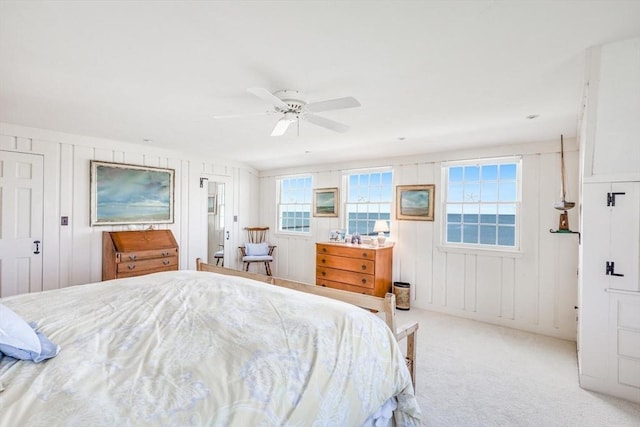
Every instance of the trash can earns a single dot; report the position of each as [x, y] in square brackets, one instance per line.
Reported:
[402, 291]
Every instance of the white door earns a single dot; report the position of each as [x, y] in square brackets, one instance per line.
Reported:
[21, 212]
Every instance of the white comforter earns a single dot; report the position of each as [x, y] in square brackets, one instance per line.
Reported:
[193, 348]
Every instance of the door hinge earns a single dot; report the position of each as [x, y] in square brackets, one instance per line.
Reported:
[202, 180]
[609, 270]
[611, 198]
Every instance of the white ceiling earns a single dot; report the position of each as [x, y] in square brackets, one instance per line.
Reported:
[440, 74]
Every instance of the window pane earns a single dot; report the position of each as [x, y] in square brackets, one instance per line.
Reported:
[455, 174]
[455, 193]
[487, 235]
[489, 172]
[506, 236]
[471, 173]
[454, 234]
[471, 192]
[508, 171]
[507, 191]
[489, 192]
[470, 233]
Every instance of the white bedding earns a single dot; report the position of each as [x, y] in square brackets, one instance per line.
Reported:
[194, 348]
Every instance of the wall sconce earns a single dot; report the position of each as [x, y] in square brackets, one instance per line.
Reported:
[381, 227]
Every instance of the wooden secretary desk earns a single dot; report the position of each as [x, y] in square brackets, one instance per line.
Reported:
[134, 253]
[357, 268]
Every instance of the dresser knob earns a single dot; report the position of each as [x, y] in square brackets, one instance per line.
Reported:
[166, 262]
[364, 266]
[364, 281]
[324, 273]
[323, 260]
[364, 254]
[133, 257]
[131, 266]
[324, 250]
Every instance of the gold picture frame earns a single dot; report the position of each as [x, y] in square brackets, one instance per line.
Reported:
[415, 202]
[130, 194]
[325, 202]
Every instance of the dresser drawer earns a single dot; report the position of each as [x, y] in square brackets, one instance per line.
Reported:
[346, 251]
[348, 277]
[345, 287]
[349, 264]
[145, 265]
[150, 254]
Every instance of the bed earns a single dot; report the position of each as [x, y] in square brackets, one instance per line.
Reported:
[186, 348]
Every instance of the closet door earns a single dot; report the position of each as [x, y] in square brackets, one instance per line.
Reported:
[21, 218]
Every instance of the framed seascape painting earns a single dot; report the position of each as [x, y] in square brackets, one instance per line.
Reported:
[130, 194]
[415, 202]
[325, 202]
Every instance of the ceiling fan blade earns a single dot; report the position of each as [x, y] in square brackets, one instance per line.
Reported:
[327, 123]
[267, 96]
[281, 127]
[332, 104]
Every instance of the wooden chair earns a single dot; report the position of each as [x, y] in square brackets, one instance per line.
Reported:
[257, 249]
[386, 305]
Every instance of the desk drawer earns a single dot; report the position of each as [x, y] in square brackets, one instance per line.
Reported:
[348, 277]
[170, 263]
[350, 264]
[150, 254]
[346, 251]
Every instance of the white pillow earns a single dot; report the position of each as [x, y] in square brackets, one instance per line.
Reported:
[17, 333]
[257, 249]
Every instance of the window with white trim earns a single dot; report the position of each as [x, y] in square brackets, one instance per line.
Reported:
[482, 203]
[369, 198]
[294, 204]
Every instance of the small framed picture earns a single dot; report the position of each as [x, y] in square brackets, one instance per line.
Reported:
[337, 235]
[415, 202]
[325, 202]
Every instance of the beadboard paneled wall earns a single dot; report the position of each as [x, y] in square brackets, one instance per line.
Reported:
[534, 289]
[73, 254]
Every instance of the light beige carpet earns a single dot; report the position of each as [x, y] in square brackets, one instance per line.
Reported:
[475, 374]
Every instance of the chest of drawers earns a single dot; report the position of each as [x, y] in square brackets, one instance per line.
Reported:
[355, 268]
[134, 253]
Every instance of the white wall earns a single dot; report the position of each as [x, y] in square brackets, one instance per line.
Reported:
[73, 254]
[533, 290]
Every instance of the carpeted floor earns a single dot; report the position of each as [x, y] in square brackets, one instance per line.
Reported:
[475, 374]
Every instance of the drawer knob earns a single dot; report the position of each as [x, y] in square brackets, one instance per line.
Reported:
[323, 285]
[324, 273]
[323, 260]
[364, 254]
[166, 262]
[364, 281]
[131, 266]
[364, 266]
[133, 257]
[324, 250]
[165, 253]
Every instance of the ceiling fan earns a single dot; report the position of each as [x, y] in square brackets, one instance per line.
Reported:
[292, 107]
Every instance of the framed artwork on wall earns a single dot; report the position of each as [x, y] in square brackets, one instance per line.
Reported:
[415, 202]
[130, 194]
[325, 202]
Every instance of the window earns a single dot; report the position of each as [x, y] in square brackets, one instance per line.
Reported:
[369, 196]
[482, 202]
[294, 204]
